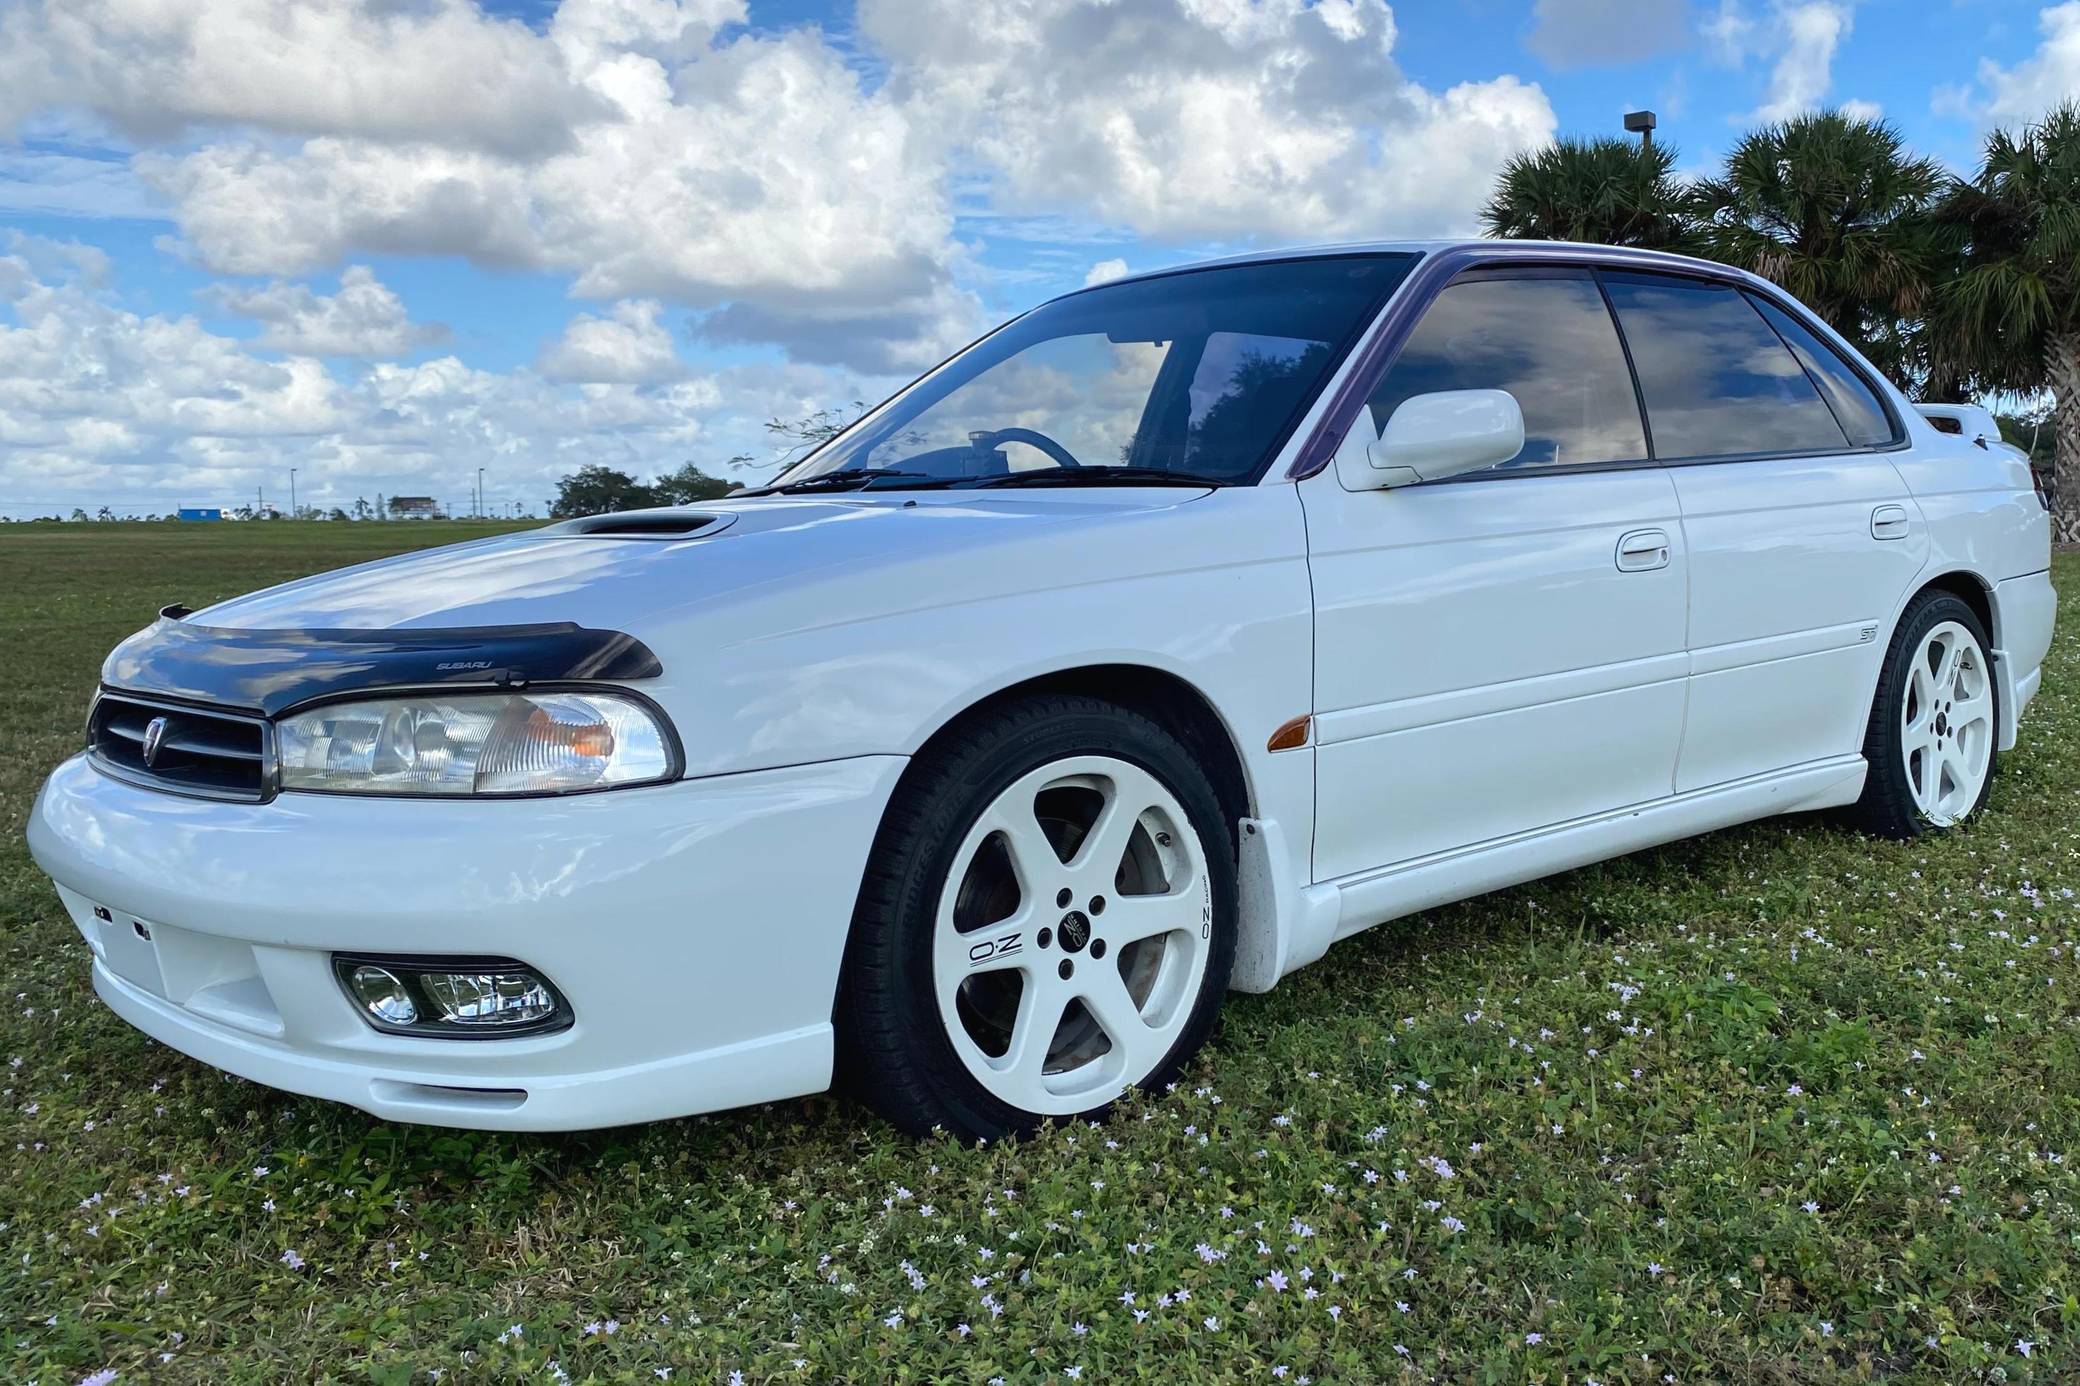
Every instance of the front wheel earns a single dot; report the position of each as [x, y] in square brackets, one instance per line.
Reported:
[1934, 722]
[1048, 921]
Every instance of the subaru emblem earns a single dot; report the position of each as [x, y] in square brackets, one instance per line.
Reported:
[154, 737]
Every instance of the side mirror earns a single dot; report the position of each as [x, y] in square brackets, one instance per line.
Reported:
[1446, 433]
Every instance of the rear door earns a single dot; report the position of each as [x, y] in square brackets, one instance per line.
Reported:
[1802, 537]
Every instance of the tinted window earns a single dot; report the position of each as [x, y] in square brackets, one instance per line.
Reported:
[1717, 380]
[1244, 386]
[1855, 404]
[1548, 341]
[1203, 372]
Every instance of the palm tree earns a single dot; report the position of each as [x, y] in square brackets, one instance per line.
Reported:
[2013, 315]
[1837, 211]
[1607, 191]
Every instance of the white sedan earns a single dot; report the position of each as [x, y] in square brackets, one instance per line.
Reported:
[1175, 631]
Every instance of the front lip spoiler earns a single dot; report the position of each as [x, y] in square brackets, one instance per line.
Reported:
[271, 671]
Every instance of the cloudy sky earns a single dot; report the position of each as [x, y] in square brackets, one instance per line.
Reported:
[388, 242]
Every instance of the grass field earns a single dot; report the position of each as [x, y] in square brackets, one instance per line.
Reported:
[1782, 1104]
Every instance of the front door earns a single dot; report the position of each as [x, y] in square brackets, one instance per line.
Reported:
[1502, 652]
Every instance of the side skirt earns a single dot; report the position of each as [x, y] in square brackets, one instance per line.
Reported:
[1360, 901]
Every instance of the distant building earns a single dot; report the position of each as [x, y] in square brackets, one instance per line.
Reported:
[202, 512]
[414, 508]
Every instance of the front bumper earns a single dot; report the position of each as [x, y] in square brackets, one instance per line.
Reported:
[695, 928]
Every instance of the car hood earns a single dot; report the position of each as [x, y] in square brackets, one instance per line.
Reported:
[632, 571]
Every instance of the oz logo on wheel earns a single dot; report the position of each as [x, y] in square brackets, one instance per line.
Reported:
[993, 948]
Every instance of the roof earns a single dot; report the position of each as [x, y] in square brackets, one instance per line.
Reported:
[1484, 246]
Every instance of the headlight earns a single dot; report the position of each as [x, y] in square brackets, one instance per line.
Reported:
[475, 743]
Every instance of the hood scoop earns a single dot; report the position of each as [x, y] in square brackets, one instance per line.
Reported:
[643, 524]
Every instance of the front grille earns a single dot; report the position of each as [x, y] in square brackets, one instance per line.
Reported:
[220, 755]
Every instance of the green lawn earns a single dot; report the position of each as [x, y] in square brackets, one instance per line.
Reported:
[1781, 1104]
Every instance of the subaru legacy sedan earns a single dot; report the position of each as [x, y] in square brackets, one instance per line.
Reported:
[1171, 633]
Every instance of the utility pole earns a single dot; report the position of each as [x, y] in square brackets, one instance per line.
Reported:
[292, 493]
[1641, 123]
[480, 493]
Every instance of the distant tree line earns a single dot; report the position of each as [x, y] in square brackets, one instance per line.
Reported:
[1957, 288]
[599, 490]
[394, 508]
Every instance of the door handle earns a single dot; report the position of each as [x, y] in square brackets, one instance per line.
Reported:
[1889, 522]
[1642, 550]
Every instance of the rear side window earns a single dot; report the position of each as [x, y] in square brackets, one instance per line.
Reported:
[1855, 404]
[1716, 378]
[1549, 341]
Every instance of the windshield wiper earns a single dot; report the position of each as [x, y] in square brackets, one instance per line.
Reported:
[856, 478]
[1099, 476]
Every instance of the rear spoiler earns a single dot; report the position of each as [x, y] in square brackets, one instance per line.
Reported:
[1964, 420]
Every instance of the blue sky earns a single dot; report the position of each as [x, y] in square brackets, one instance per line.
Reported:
[386, 244]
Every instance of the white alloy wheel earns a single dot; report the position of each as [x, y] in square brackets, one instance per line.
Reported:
[1072, 934]
[1946, 724]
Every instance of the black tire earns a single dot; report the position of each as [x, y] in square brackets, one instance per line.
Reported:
[1887, 808]
[892, 1048]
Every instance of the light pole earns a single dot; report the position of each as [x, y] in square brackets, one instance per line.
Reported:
[480, 493]
[1641, 123]
[292, 493]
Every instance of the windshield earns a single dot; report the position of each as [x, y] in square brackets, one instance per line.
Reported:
[1197, 375]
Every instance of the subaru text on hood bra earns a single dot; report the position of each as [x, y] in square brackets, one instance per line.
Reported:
[1169, 634]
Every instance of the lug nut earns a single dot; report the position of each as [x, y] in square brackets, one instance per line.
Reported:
[1046, 937]
[1097, 904]
[1062, 898]
[1066, 969]
[1097, 947]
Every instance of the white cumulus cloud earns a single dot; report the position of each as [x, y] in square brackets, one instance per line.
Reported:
[1197, 118]
[2050, 75]
[1810, 34]
[644, 148]
[100, 402]
[627, 347]
[443, 70]
[365, 318]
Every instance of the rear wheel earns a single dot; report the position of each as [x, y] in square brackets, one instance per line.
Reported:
[1048, 921]
[1934, 722]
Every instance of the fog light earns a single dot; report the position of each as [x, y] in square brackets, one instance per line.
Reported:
[383, 993]
[452, 997]
[489, 999]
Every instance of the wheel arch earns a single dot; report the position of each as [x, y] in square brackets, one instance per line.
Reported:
[1978, 594]
[1171, 701]
[1168, 699]
[1968, 587]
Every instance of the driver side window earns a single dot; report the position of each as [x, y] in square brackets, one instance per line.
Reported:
[1546, 338]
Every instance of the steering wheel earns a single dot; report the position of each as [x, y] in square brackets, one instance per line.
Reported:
[1031, 437]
